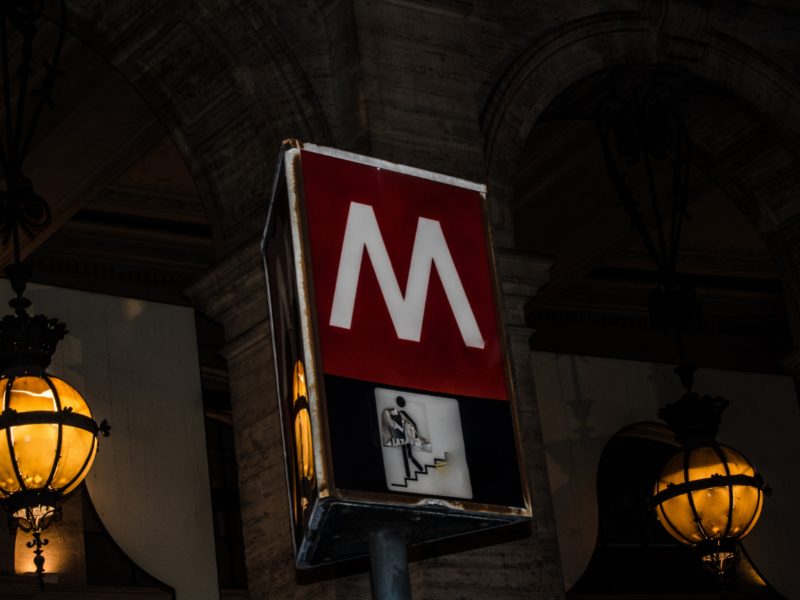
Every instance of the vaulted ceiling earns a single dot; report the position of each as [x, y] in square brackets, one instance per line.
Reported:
[126, 217]
[128, 220]
[596, 301]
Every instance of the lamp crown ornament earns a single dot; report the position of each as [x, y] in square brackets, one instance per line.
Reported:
[694, 418]
[29, 341]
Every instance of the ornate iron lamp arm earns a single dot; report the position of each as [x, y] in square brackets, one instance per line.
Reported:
[627, 200]
[665, 265]
[639, 133]
[45, 92]
[20, 207]
[705, 484]
[4, 155]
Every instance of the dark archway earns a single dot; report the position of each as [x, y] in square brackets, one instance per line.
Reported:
[579, 49]
[566, 206]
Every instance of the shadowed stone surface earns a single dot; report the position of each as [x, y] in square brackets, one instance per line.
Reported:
[454, 86]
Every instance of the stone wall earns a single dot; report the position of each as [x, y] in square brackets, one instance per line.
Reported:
[453, 86]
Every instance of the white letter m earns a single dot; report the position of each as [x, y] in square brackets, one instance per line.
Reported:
[406, 310]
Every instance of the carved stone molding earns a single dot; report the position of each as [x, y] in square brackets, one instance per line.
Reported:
[521, 276]
[234, 291]
[680, 27]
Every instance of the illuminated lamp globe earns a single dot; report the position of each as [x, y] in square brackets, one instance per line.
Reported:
[48, 437]
[708, 496]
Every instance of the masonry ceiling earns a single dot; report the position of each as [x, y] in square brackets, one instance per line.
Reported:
[146, 234]
[127, 217]
[129, 220]
[597, 297]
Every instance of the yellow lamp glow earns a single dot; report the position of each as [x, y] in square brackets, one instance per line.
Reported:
[303, 442]
[48, 438]
[709, 497]
[304, 447]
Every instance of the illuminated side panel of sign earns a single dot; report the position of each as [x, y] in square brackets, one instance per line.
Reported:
[402, 280]
[285, 312]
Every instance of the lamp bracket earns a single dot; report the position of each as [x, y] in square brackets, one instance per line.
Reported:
[647, 153]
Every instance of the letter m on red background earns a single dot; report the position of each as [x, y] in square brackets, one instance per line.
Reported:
[402, 280]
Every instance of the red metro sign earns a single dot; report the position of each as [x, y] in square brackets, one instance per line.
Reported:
[389, 353]
[402, 279]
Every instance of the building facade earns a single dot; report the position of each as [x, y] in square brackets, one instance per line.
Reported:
[160, 154]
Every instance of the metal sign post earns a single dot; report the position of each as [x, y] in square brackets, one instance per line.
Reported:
[395, 399]
[387, 557]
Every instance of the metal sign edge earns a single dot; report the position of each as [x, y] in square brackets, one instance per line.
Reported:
[398, 168]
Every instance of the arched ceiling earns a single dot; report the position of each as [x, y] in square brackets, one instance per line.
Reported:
[129, 219]
[596, 301]
[146, 234]
[126, 215]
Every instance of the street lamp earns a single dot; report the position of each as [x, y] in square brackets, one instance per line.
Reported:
[48, 437]
[708, 495]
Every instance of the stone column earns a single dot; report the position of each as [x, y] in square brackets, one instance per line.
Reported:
[234, 294]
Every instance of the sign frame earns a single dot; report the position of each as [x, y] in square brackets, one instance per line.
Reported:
[351, 502]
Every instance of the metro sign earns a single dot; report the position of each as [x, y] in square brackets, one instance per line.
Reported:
[382, 295]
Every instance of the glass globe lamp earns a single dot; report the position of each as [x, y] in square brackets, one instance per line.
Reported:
[708, 496]
[48, 436]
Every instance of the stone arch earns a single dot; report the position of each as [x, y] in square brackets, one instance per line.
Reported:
[580, 48]
[221, 78]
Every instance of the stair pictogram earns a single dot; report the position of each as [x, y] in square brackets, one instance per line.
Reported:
[437, 463]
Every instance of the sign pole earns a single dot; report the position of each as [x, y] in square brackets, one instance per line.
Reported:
[387, 556]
